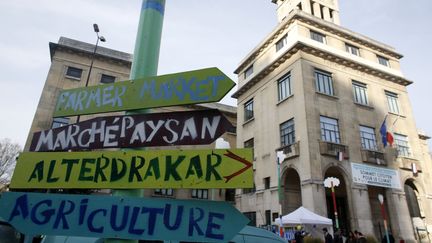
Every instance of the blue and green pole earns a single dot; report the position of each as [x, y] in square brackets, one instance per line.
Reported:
[144, 64]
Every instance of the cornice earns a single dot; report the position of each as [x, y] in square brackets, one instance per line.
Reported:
[329, 56]
[320, 24]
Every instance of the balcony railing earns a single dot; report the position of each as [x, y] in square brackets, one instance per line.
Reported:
[374, 157]
[333, 149]
[407, 163]
[291, 150]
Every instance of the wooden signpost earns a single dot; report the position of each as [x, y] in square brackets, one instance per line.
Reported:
[199, 86]
[121, 217]
[146, 130]
[132, 217]
[204, 168]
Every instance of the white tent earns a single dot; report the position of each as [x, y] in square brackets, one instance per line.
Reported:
[303, 216]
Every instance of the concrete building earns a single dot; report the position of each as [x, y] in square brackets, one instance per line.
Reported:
[70, 63]
[320, 93]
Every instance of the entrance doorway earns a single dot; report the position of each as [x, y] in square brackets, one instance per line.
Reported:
[292, 191]
[377, 218]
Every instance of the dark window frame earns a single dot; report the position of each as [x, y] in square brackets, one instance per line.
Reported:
[284, 87]
[329, 131]
[287, 132]
[73, 73]
[324, 82]
[249, 110]
[107, 79]
[317, 36]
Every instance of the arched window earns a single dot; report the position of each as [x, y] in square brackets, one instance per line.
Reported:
[411, 197]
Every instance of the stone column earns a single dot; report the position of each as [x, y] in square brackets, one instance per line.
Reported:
[313, 196]
[336, 18]
[326, 13]
[317, 10]
[362, 210]
[400, 218]
[306, 7]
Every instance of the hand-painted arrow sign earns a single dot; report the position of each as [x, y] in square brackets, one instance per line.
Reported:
[155, 129]
[217, 168]
[199, 86]
[121, 217]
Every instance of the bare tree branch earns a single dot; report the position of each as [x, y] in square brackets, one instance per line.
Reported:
[8, 154]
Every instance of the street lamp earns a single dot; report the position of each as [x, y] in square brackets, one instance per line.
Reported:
[280, 157]
[332, 182]
[381, 200]
[99, 38]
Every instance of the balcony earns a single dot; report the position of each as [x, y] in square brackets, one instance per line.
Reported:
[407, 163]
[291, 150]
[374, 157]
[332, 149]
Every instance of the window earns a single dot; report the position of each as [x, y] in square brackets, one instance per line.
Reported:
[401, 142]
[324, 82]
[411, 197]
[163, 192]
[284, 87]
[200, 193]
[59, 122]
[281, 43]
[360, 93]
[287, 132]
[266, 183]
[352, 49]
[268, 217]
[367, 137]
[107, 79]
[252, 217]
[248, 110]
[329, 129]
[74, 73]
[248, 72]
[249, 144]
[383, 61]
[250, 190]
[392, 101]
[317, 36]
[275, 216]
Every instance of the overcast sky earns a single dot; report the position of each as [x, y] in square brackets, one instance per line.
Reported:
[196, 34]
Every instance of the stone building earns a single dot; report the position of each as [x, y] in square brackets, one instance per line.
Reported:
[70, 63]
[320, 93]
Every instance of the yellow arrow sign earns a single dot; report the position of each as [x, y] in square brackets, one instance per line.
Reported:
[218, 168]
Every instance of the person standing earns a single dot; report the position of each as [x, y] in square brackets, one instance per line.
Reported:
[299, 234]
[328, 238]
[338, 237]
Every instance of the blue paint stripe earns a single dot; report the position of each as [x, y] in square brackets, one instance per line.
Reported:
[155, 5]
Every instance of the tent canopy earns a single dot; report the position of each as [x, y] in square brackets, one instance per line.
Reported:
[303, 216]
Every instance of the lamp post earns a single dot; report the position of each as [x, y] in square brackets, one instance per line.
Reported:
[280, 157]
[332, 182]
[381, 200]
[99, 38]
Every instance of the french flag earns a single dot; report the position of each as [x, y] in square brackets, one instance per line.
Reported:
[387, 137]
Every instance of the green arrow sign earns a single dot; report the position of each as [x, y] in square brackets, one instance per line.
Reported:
[121, 217]
[199, 86]
[204, 168]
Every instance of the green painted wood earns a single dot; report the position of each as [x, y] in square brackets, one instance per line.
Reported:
[204, 168]
[198, 86]
[121, 217]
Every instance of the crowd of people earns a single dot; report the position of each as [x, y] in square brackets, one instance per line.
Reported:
[339, 236]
